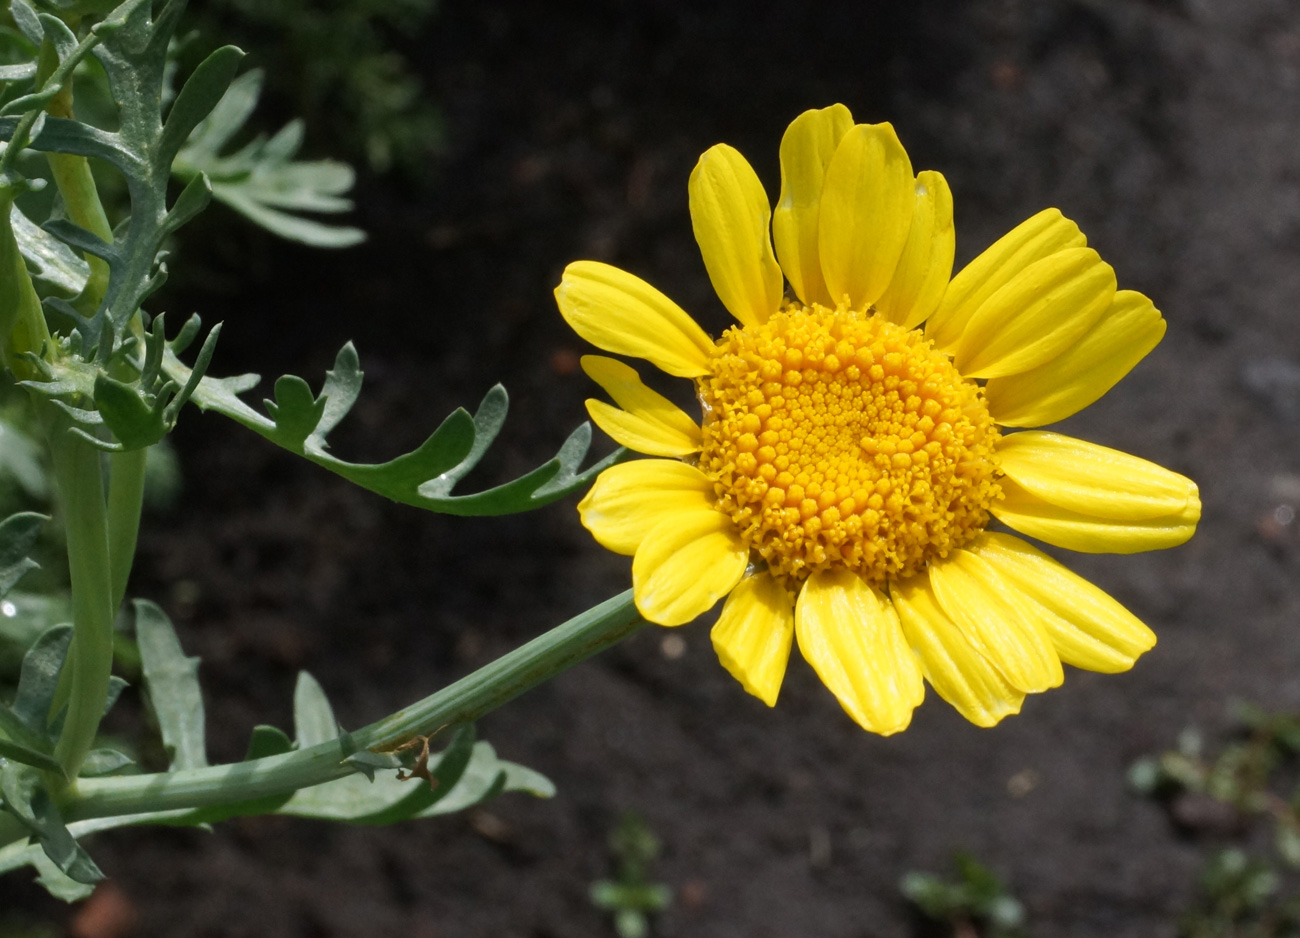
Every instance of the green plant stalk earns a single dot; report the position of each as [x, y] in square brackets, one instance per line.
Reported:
[81, 201]
[464, 701]
[81, 491]
[125, 502]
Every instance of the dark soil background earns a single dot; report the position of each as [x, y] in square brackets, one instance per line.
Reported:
[1167, 128]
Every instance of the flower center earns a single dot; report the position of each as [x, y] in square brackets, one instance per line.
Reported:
[836, 439]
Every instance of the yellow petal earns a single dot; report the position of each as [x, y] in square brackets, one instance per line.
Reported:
[1088, 627]
[958, 673]
[1089, 534]
[851, 636]
[620, 313]
[1037, 315]
[685, 564]
[1092, 480]
[628, 500]
[866, 213]
[754, 633]
[730, 215]
[1085, 371]
[1000, 628]
[806, 151]
[926, 265]
[1033, 239]
[649, 422]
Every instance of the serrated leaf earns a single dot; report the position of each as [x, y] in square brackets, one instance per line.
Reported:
[425, 477]
[172, 681]
[18, 534]
[313, 717]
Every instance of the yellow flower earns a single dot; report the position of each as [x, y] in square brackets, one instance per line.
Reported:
[850, 455]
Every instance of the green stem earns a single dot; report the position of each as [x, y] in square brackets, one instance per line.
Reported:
[462, 702]
[125, 500]
[81, 490]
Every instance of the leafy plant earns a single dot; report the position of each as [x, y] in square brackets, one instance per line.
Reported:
[973, 905]
[105, 383]
[1224, 797]
[632, 896]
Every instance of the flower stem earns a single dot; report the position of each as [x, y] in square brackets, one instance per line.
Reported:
[464, 701]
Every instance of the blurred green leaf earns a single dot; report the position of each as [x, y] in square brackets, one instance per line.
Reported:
[18, 534]
[261, 180]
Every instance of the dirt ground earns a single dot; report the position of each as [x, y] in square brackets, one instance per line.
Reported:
[1167, 128]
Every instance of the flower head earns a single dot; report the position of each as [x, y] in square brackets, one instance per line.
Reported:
[853, 451]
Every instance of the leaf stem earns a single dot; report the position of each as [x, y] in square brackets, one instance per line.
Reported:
[125, 501]
[81, 490]
[466, 700]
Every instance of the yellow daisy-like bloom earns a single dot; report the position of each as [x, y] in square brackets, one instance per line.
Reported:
[851, 451]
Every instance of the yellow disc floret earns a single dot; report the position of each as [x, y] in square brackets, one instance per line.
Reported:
[836, 439]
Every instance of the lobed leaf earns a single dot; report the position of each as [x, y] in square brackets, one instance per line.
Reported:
[424, 478]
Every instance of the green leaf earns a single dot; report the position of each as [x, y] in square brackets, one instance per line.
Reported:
[134, 421]
[18, 534]
[38, 683]
[295, 410]
[340, 392]
[267, 741]
[49, 261]
[56, 882]
[356, 800]
[23, 617]
[26, 799]
[424, 478]
[313, 717]
[261, 181]
[197, 98]
[101, 762]
[28, 756]
[172, 682]
[132, 48]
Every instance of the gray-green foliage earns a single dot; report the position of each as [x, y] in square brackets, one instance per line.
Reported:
[111, 375]
[261, 180]
[123, 413]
